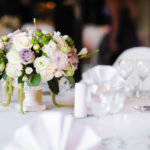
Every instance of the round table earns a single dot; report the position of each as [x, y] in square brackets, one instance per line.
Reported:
[128, 124]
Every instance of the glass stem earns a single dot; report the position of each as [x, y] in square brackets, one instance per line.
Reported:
[139, 91]
[56, 104]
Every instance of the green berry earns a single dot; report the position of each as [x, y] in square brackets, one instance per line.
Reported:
[69, 72]
[4, 38]
[36, 47]
[65, 49]
[2, 66]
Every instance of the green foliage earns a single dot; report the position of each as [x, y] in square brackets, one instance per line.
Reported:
[34, 80]
[45, 40]
[49, 37]
[89, 54]
[39, 34]
[44, 54]
[20, 79]
[4, 76]
[70, 42]
[35, 41]
[1, 51]
[53, 85]
[70, 79]
[2, 66]
[53, 40]
[34, 20]
[69, 72]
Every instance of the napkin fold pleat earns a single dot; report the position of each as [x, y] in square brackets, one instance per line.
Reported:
[54, 131]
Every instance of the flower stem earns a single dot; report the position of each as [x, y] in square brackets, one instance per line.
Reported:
[9, 90]
[21, 98]
[6, 87]
[58, 105]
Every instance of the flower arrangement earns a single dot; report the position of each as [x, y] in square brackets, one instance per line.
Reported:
[32, 57]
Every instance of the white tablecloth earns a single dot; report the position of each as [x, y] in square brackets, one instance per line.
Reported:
[129, 123]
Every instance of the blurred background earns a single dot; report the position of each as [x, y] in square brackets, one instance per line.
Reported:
[109, 25]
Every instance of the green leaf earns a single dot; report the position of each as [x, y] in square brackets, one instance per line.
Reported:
[54, 41]
[44, 54]
[70, 42]
[70, 79]
[0, 77]
[34, 80]
[49, 37]
[20, 79]
[4, 76]
[89, 54]
[53, 85]
[1, 51]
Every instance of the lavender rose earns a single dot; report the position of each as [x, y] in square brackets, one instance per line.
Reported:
[74, 60]
[27, 56]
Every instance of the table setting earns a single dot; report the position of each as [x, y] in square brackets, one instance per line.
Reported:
[43, 108]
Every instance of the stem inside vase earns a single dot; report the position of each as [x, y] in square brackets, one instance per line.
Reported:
[56, 104]
[8, 91]
[21, 98]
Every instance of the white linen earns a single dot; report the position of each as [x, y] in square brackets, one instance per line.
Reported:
[129, 123]
[54, 131]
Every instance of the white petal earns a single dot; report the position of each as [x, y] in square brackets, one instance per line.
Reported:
[83, 51]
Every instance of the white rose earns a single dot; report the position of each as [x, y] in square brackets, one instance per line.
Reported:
[25, 78]
[58, 74]
[60, 40]
[65, 37]
[46, 75]
[13, 56]
[83, 51]
[30, 31]
[52, 67]
[41, 63]
[61, 60]
[2, 45]
[50, 48]
[29, 70]
[13, 70]
[22, 40]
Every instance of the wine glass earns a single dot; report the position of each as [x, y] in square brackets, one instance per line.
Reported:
[107, 98]
[125, 67]
[143, 70]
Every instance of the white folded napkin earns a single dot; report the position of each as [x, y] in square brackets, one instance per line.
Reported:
[100, 74]
[54, 131]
